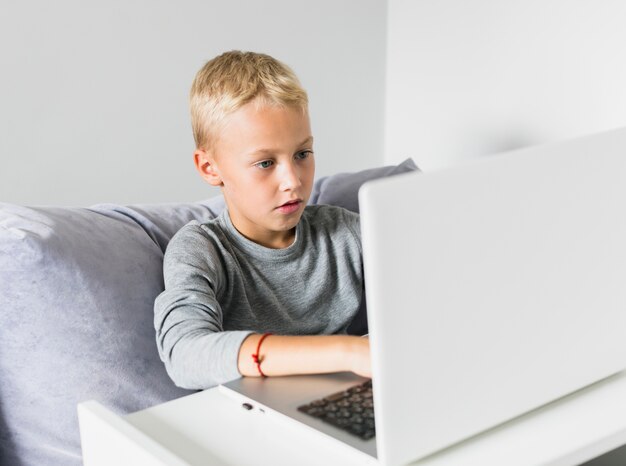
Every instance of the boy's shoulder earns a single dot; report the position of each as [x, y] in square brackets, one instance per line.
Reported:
[332, 219]
[197, 234]
[195, 227]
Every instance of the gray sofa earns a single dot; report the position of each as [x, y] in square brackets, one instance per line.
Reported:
[77, 286]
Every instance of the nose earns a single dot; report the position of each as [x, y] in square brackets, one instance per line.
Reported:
[289, 177]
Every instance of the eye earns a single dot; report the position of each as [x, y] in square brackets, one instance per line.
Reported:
[303, 154]
[264, 164]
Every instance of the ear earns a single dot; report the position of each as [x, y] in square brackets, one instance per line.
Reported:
[206, 166]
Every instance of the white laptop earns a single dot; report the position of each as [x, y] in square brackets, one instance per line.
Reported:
[492, 288]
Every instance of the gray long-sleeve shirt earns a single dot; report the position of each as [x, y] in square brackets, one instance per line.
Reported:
[220, 287]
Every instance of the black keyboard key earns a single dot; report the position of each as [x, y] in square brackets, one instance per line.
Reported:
[351, 410]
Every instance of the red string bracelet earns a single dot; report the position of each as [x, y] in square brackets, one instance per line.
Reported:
[255, 356]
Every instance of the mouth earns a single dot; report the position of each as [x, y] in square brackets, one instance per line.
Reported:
[290, 206]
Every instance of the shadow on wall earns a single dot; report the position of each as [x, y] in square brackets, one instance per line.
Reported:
[505, 141]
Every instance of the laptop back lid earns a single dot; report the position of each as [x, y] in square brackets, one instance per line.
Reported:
[493, 288]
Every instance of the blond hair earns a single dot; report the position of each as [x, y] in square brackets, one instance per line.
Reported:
[233, 79]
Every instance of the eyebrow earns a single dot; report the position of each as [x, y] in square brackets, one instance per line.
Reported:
[257, 152]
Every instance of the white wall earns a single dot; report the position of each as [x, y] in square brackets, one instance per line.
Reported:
[469, 78]
[93, 95]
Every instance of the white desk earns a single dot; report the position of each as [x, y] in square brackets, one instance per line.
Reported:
[210, 428]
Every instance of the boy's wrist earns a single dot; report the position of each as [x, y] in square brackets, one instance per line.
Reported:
[351, 352]
[359, 356]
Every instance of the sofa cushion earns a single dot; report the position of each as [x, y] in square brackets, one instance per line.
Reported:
[342, 189]
[77, 287]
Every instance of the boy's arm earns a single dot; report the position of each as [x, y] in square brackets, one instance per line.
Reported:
[316, 354]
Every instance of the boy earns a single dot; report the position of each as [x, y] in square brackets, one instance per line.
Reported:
[270, 286]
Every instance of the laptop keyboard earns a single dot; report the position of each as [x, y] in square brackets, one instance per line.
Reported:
[351, 410]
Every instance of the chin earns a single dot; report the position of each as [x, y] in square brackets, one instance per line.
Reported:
[289, 224]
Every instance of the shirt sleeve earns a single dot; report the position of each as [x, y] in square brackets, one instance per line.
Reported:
[188, 319]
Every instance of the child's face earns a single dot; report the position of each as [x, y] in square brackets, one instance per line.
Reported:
[263, 160]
